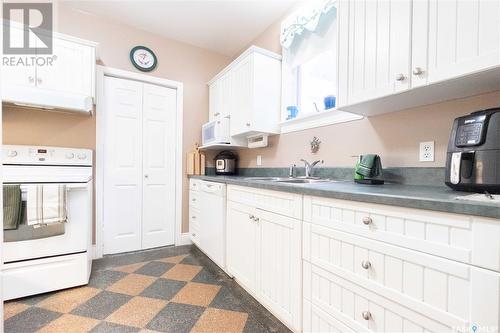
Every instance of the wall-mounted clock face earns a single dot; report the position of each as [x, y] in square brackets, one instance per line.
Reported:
[143, 58]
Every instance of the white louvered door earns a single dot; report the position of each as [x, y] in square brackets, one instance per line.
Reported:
[139, 165]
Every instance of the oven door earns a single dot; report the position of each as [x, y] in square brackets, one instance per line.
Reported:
[27, 242]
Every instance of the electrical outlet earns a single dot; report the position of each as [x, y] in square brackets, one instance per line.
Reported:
[427, 151]
[259, 160]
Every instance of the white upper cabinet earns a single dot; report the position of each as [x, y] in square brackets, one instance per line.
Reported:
[464, 37]
[64, 79]
[379, 48]
[248, 91]
[72, 71]
[405, 53]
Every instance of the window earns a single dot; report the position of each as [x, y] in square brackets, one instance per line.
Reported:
[310, 80]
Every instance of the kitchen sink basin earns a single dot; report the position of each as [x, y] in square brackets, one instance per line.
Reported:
[299, 180]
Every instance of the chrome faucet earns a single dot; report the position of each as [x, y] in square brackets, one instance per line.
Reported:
[291, 171]
[309, 166]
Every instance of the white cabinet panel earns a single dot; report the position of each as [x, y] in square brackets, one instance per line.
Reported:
[434, 287]
[279, 266]
[242, 244]
[464, 37]
[379, 48]
[72, 70]
[453, 236]
[241, 118]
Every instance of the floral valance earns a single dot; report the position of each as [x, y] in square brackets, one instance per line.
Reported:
[306, 18]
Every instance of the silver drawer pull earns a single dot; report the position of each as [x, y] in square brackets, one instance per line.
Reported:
[366, 315]
[400, 77]
[194, 199]
[251, 217]
[256, 219]
[194, 235]
[193, 217]
[367, 220]
[366, 264]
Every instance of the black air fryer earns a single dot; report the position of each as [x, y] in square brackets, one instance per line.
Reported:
[473, 157]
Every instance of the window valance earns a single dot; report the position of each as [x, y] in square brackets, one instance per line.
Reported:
[306, 18]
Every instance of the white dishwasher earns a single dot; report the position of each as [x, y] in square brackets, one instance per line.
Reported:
[212, 222]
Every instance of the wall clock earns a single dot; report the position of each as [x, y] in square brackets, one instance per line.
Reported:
[143, 58]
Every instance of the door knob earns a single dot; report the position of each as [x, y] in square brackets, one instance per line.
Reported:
[418, 71]
[400, 77]
[366, 264]
[367, 220]
[366, 315]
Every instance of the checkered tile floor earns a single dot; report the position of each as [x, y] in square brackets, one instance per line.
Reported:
[171, 293]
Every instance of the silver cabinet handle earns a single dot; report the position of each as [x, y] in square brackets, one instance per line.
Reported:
[366, 264]
[248, 124]
[193, 200]
[366, 315]
[38, 80]
[146, 176]
[216, 114]
[367, 220]
[418, 71]
[256, 219]
[400, 77]
[193, 217]
[31, 79]
[194, 235]
[251, 217]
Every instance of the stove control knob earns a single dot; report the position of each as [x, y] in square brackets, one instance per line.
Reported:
[70, 156]
[82, 156]
[12, 153]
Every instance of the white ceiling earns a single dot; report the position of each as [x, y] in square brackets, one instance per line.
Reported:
[221, 26]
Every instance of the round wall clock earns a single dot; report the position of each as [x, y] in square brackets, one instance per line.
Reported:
[143, 58]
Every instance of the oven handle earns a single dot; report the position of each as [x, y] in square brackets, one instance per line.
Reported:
[72, 186]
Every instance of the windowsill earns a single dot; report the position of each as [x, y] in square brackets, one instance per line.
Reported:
[319, 119]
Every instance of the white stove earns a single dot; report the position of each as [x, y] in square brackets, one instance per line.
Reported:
[51, 257]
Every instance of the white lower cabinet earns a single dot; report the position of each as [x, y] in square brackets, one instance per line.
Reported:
[264, 256]
[347, 266]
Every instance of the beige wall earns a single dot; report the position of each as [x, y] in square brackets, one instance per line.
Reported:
[176, 61]
[394, 136]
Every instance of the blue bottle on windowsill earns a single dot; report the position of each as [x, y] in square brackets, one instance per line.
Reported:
[330, 102]
[291, 112]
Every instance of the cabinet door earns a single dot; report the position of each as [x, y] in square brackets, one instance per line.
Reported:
[464, 37]
[279, 266]
[72, 70]
[379, 48]
[214, 100]
[158, 166]
[242, 87]
[242, 242]
[226, 96]
[17, 72]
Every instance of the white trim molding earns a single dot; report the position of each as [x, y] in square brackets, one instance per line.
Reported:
[320, 119]
[103, 71]
[185, 239]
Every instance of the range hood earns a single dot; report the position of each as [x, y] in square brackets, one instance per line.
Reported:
[47, 99]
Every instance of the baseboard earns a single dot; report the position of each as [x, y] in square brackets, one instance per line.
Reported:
[184, 239]
[95, 255]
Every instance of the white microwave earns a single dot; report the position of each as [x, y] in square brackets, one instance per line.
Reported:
[216, 132]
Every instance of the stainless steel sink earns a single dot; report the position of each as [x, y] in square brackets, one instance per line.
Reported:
[290, 180]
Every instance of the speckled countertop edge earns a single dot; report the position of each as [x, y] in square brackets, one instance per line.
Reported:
[436, 198]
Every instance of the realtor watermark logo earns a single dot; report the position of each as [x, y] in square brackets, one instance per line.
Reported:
[34, 35]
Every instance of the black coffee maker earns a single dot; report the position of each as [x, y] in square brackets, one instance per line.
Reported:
[473, 157]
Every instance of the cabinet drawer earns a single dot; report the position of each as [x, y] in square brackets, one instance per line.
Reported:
[194, 184]
[435, 287]
[288, 204]
[364, 310]
[194, 199]
[467, 239]
[317, 320]
[194, 225]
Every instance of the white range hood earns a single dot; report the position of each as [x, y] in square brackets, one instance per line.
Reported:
[47, 99]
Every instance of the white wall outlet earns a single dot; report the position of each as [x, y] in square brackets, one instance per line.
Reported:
[426, 151]
[259, 160]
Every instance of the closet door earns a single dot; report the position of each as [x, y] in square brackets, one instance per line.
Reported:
[122, 165]
[158, 211]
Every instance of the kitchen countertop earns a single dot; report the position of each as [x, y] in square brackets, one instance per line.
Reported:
[438, 198]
